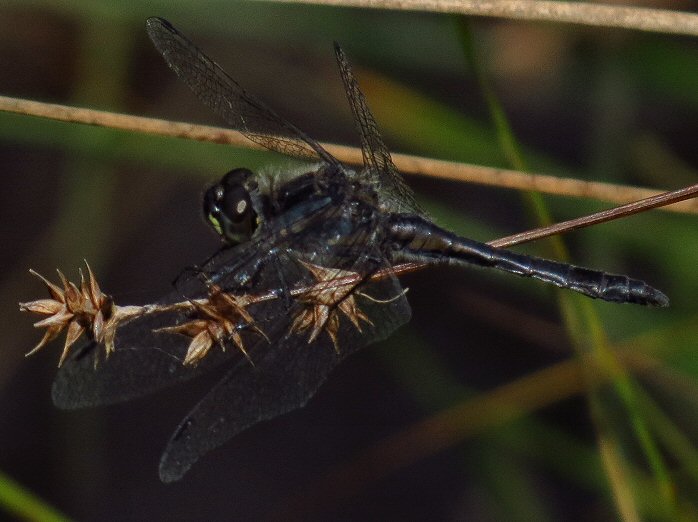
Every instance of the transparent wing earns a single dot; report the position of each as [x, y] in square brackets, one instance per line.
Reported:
[144, 360]
[285, 368]
[272, 270]
[227, 98]
[284, 378]
[378, 164]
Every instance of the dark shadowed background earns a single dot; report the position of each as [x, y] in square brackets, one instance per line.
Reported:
[596, 104]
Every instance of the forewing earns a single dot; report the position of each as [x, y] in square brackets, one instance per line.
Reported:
[379, 166]
[227, 98]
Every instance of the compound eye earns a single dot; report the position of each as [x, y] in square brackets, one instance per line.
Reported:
[236, 204]
[228, 207]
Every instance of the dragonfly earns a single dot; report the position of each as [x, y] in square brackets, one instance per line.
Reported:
[307, 275]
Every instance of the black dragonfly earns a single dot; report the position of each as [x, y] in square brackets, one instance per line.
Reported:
[305, 279]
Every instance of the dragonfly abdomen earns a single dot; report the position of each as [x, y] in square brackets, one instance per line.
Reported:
[417, 240]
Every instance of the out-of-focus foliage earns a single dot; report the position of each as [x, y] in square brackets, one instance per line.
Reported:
[489, 352]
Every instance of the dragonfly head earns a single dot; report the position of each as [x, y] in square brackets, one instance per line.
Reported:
[228, 207]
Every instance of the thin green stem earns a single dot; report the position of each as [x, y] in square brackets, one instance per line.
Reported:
[22, 503]
[582, 320]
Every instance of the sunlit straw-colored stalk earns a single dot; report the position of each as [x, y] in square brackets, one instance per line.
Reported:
[582, 13]
[408, 164]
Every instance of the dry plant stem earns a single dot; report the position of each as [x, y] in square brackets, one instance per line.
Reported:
[546, 184]
[405, 163]
[666, 198]
[583, 13]
[126, 122]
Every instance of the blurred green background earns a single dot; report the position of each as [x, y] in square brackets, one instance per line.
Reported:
[596, 104]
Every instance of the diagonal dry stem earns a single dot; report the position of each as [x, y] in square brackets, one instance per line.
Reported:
[407, 164]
